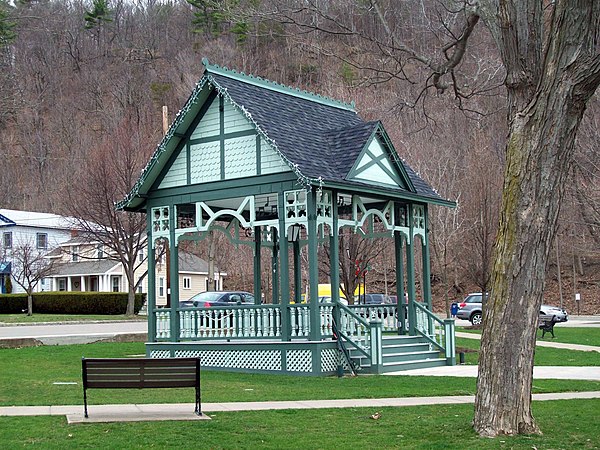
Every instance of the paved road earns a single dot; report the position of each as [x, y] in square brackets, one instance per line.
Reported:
[76, 333]
[71, 333]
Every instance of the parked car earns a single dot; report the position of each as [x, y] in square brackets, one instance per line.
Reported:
[375, 299]
[560, 314]
[470, 309]
[326, 299]
[218, 298]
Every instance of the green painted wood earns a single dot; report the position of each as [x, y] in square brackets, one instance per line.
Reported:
[151, 294]
[258, 155]
[275, 268]
[410, 279]
[173, 275]
[401, 312]
[297, 272]
[218, 190]
[334, 256]
[313, 265]
[383, 192]
[426, 266]
[257, 268]
[227, 135]
[284, 272]
[222, 134]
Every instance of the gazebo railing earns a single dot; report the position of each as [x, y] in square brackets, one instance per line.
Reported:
[439, 332]
[386, 313]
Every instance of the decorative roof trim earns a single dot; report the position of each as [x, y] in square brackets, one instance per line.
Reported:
[274, 86]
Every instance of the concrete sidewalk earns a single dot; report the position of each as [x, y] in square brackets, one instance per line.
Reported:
[184, 411]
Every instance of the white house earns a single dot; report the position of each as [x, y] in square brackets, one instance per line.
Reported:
[85, 265]
[41, 231]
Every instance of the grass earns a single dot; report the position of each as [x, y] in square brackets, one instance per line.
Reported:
[544, 356]
[35, 318]
[567, 335]
[28, 376]
[566, 424]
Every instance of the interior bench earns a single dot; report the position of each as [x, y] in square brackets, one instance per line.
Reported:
[140, 373]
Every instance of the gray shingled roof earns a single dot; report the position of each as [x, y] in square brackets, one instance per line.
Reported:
[323, 140]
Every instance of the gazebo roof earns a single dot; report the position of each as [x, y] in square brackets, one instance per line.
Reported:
[323, 141]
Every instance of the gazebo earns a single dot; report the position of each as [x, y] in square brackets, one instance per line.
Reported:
[278, 168]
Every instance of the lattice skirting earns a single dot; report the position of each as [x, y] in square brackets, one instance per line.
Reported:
[290, 358]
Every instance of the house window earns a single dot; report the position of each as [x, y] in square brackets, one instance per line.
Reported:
[7, 239]
[99, 251]
[161, 286]
[115, 284]
[187, 282]
[42, 240]
[62, 284]
[141, 256]
[75, 253]
[139, 289]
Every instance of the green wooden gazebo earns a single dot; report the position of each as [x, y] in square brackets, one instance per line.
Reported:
[263, 162]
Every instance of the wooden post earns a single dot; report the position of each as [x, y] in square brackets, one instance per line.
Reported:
[165, 119]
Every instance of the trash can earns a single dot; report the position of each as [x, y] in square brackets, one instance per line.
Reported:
[453, 309]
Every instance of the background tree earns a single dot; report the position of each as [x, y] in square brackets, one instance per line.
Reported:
[111, 173]
[29, 267]
[550, 56]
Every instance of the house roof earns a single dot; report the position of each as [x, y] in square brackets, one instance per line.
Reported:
[319, 138]
[11, 217]
[188, 263]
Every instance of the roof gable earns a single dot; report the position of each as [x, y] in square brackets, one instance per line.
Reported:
[378, 163]
[319, 139]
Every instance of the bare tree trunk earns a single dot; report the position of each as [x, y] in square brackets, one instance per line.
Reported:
[29, 303]
[211, 260]
[538, 159]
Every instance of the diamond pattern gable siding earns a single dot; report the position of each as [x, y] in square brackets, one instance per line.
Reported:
[177, 175]
[240, 157]
[205, 162]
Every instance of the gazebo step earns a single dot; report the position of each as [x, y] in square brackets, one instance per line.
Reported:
[416, 364]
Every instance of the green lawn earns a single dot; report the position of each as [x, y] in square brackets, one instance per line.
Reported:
[565, 424]
[25, 319]
[544, 356]
[567, 335]
[28, 377]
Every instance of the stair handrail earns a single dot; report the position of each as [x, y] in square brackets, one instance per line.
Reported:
[347, 328]
[442, 339]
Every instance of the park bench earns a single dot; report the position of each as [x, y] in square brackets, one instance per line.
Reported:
[140, 373]
[546, 324]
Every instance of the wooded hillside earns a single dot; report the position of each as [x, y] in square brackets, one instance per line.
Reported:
[79, 77]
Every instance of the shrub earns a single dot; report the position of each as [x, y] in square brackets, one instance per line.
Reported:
[101, 303]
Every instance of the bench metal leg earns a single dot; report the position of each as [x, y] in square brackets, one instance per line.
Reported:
[85, 411]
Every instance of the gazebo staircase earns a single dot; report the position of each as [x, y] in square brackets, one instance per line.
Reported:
[402, 353]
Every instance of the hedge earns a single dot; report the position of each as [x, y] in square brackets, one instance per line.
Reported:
[101, 303]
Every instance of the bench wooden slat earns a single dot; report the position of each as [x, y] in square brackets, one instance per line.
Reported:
[141, 373]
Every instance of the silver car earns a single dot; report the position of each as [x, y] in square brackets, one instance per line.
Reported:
[470, 309]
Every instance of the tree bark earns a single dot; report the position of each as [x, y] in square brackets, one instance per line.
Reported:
[539, 155]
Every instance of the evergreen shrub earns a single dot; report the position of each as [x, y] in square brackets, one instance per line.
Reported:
[99, 303]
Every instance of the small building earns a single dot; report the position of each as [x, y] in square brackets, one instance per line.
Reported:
[278, 168]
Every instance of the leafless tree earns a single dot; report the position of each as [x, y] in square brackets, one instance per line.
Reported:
[550, 57]
[29, 267]
[111, 172]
